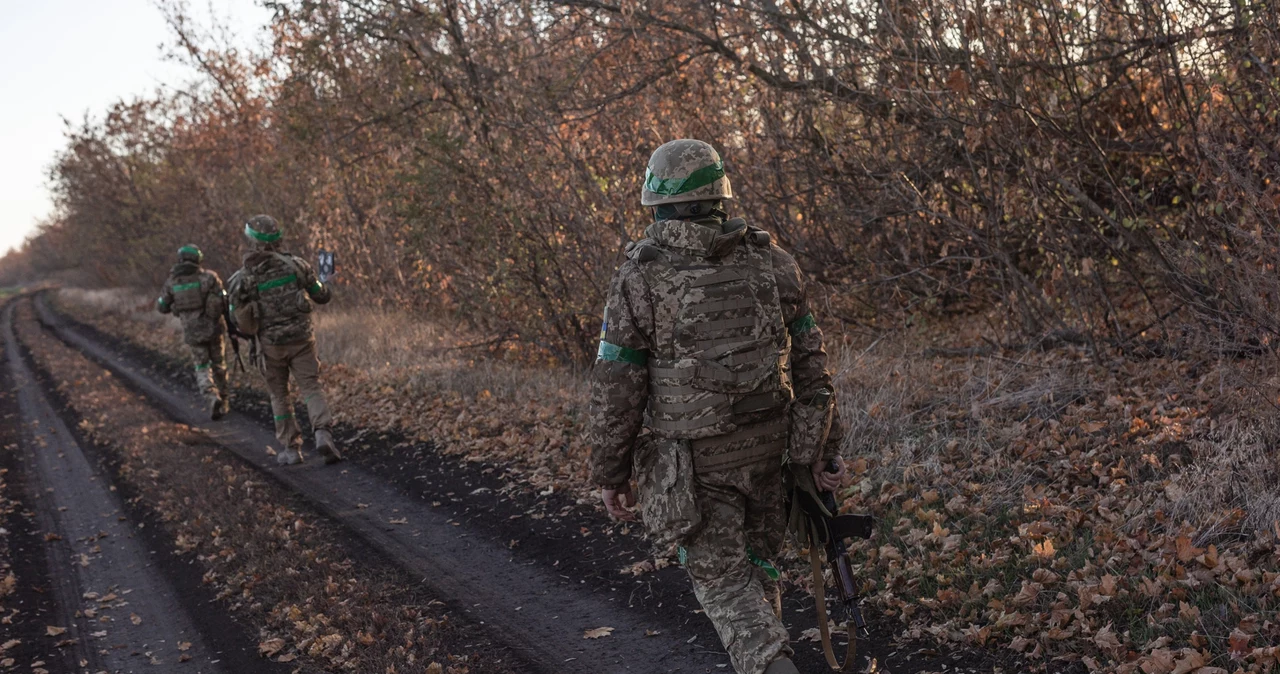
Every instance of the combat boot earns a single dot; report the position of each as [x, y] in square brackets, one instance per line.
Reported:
[782, 665]
[224, 406]
[216, 407]
[324, 443]
[216, 410]
[289, 456]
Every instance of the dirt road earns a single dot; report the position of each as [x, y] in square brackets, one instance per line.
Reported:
[117, 609]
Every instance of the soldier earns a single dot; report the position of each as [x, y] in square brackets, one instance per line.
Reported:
[711, 375]
[271, 298]
[196, 297]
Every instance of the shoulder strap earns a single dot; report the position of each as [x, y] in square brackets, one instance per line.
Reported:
[824, 629]
[644, 251]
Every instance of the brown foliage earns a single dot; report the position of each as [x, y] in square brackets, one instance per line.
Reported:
[1091, 166]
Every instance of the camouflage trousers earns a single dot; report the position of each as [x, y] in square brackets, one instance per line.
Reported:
[297, 359]
[743, 509]
[210, 360]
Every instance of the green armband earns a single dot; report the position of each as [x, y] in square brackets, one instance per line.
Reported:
[622, 354]
[802, 325]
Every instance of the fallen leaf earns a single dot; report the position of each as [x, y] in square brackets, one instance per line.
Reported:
[597, 633]
[1191, 660]
[55, 631]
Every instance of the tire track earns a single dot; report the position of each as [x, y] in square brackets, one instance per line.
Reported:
[539, 613]
[120, 612]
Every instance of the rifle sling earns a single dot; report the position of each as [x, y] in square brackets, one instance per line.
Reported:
[820, 602]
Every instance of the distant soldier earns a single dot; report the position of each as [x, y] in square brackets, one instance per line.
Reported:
[709, 346]
[271, 298]
[196, 297]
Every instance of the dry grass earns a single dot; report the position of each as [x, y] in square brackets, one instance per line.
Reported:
[386, 345]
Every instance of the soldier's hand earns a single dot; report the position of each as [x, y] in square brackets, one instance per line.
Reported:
[829, 481]
[617, 500]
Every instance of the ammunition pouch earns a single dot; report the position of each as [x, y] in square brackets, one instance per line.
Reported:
[215, 306]
[247, 318]
[664, 475]
[717, 393]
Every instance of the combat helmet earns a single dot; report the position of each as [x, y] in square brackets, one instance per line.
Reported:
[684, 170]
[262, 231]
[190, 253]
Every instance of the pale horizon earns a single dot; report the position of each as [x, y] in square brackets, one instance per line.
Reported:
[68, 59]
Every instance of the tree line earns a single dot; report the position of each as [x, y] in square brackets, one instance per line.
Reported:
[1097, 167]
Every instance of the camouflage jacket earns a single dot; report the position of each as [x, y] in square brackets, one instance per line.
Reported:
[283, 286]
[196, 297]
[638, 329]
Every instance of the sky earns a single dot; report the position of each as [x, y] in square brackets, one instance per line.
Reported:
[68, 58]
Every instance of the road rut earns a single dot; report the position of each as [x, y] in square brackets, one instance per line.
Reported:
[120, 612]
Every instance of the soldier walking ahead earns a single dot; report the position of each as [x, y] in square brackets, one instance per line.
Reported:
[271, 297]
[709, 345]
[196, 297]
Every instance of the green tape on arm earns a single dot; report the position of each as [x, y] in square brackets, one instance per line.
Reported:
[802, 325]
[622, 354]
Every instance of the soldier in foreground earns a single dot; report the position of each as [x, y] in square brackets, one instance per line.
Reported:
[711, 374]
[271, 299]
[195, 295]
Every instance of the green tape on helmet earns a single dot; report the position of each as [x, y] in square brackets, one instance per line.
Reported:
[673, 186]
[270, 237]
[190, 251]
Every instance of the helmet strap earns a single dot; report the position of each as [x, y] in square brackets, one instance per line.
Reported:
[691, 210]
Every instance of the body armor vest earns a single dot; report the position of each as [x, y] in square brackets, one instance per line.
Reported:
[196, 303]
[189, 292]
[718, 371]
[283, 305]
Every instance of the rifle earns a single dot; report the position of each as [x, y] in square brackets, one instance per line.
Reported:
[829, 530]
[233, 332]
